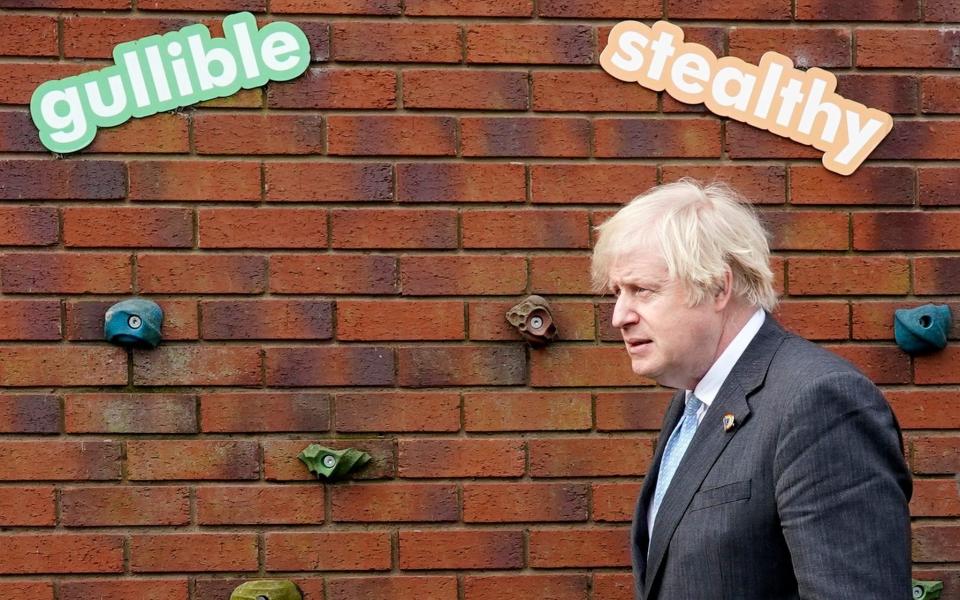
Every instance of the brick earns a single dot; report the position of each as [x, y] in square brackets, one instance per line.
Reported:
[936, 542]
[29, 35]
[613, 586]
[60, 461]
[940, 10]
[358, 228]
[524, 502]
[873, 320]
[131, 506]
[197, 365]
[563, 91]
[260, 505]
[468, 8]
[933, 454]
[527, 411]
[201, 273]
[392, 587]
[262, 228]
[194, 180]
[383, 41]
[88, 273]
[19, 132]
[589, 183]
[600, 9]
[882, 364]
[33, 506]
[465, 89]
[765, 10]
[925, 409]
[890, 93]
[371, 135]
[937, 186]
[527, 587]
[461, 182]
[560, 274]
[42, 365]
[530, 44]
[807, 230]
[757, 184]
[823, 47]
[936, 275]
[838, 275]
[590, 457]
[626, 411]
[329, 366]
[939, 94]
[163, 133]
[18, 80]
[242, 133]
[574, 321]
[193, 552]
[525, 136]
[662, 137]
[35, 590]
[886, 10]
[745, 141]
[127, 227]
[318, 36]
[264, 412]
[243, 98]
[926, 48]
[938, 368]
[430, 366]
[143, 589]
[461, 457]
[95, 37]
[328, 551]
[130, 413]
[461, 549]
[905, 231]
[373, 320]
[868, 185]
[380, 412]
[29, 413]
[463, 275]
[204, 5]
[267, 319]
[280, 462]
[816, 320]
[333, 274]
[375, 502]
[324, 88]
[587, 547]
[338, 7]
[920, 140]
[159, 460]
[28, 226]
[85, 319]
[526, 229]
[61, 553]
[935, 498]
[614, 502]
[328, 182]
[562, 365]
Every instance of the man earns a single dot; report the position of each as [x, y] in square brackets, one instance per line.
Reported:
[779, 471]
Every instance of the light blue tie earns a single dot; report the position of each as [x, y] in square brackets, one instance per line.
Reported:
[676, 447]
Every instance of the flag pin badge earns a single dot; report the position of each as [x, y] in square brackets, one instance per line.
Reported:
[729, 422]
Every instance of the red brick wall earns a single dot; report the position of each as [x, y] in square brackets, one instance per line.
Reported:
[335, 256]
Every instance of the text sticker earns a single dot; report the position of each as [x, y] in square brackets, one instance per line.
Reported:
[163, 72]
[773, 95]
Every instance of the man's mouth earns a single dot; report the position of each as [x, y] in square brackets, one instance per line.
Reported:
[636, 343]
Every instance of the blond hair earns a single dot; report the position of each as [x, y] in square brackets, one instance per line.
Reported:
[701, 231]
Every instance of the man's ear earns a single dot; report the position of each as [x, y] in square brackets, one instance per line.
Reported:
[724, 293]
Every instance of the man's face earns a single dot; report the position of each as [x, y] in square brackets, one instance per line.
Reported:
[667, 340]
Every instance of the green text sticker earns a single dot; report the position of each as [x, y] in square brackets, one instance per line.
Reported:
[163, 72]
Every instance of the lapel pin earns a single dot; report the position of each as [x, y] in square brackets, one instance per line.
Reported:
[729, 422]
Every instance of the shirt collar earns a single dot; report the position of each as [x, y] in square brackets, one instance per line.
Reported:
[710, 385]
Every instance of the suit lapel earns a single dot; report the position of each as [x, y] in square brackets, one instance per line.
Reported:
[708, 442]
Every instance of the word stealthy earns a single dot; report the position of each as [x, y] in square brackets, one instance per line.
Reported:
[773, 95]
[164, 72]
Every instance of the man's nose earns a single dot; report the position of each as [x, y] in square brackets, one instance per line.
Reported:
[623, 313]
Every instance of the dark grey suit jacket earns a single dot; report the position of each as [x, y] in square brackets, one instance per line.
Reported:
[805, 497]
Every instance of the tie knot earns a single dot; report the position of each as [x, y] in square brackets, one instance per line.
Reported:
[693, 405]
